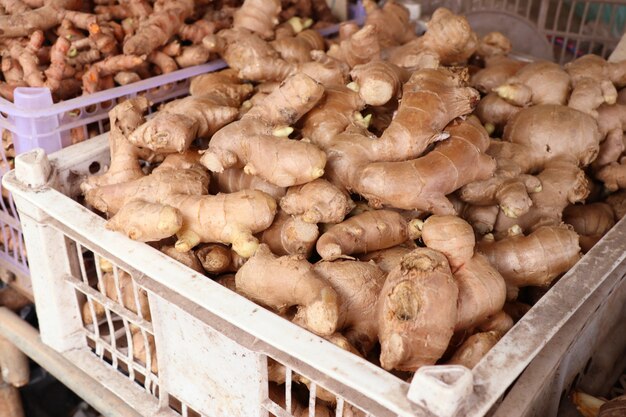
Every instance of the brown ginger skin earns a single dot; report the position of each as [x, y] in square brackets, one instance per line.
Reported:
[392, 22]
[617, 201]
[590, 221]
[492, 45]
[562, 184]
[379, 81]
[498, 69]
[540, 82]
[234, 179]
[500, 323]
[189, 259]
[156, 222]
[335, 111]
[360, 48]
[413, 129]
[495, 112]
[366, 232]
[283, 282]
[125, 118]
[318, 201]
[387, 259]
[297, 49]
[482, 290]
[416, 311]
[258, 16]
[473, 349]
[251, 144]
[533, 260]
[358, 285]
[423, 183]
[449, 37]
[179, 122]
[290, 235]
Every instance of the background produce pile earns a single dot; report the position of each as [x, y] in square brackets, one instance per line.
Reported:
[363, 189]
[74, 47]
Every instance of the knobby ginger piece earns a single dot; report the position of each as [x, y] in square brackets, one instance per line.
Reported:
[189, 259]
[416, 311]
[533, 260]
[392, 22]
[358, 285]
[482, 290]
[387, 259]
[448, 36]
[179, 122]
[379, 81]
[540, 82]
[290, 235]
[590, 221]
[146, 222]
[257, 144]
[235, 179]
[125, 117]
[498, 69]
[473, 349]
[317, 202]
[283, 282]
[360, 48]
[423, 183]
[500, 323]
[366, 232]
[562, 184]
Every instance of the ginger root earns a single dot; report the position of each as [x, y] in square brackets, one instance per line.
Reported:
[536, 259]
[416, 311]
[283, 282]
[482, 290]
[366, 232]
[290, 235]
[317, 202]
[590, 221]
[259, 135]
[473, 349]
[358, 285]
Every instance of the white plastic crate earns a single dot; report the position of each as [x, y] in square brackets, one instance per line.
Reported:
[34, 121]
[212, 345]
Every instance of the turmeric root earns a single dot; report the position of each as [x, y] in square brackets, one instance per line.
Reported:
[366, 232]
[249, 142]
[290, 235]
[482, 290]
[282, 282]
[535, 259]
[590, 221]
[317, 202]
[358, 285]
[416, 311]
[473, 349]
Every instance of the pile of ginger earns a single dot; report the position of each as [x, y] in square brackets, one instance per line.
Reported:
[407, 198]
[82, 46]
